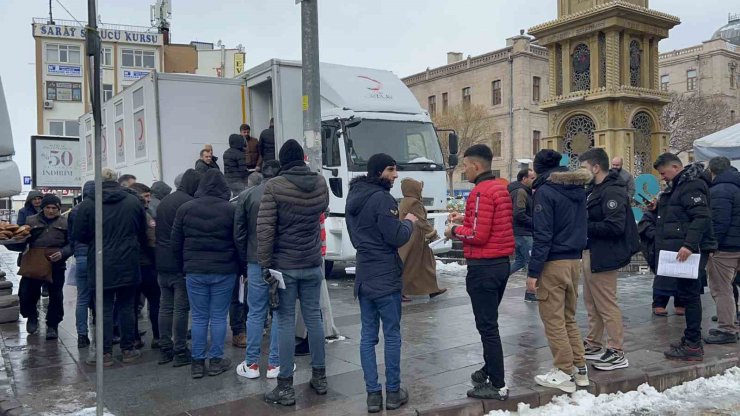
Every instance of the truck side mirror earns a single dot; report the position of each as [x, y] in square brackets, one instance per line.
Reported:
[452, 161]
[454, 145]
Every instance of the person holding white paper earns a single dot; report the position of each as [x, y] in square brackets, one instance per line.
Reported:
[684, 225]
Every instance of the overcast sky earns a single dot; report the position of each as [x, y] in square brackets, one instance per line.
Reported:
[405, 36]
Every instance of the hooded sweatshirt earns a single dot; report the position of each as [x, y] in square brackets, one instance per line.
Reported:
[203, 231]
[159, 191]
[88, 191]
[124, 234]
[288, 229]
[235, 160]
[560, 217]
[166, 212]
[377, 234]
[725, 203]
[521, 201]
[28, 209]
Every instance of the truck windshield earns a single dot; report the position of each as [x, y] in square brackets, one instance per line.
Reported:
[414, 145]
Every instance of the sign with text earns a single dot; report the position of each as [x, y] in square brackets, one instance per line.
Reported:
[26, 180]
[55, 162]
[130, 75]
[139, 135]
[66, 70]
[106, 35]
[238, 63]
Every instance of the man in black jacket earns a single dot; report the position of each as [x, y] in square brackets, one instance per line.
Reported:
[174, 307]
[207, 160]
[612, 240]
[267, 142]
[521, 201]
[377, 233]
[289, 240]
[684, 225]
[245, 236]
[235, 164]
[724, 265]
[124, 235]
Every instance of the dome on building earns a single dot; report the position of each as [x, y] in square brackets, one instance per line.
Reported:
[731, 31]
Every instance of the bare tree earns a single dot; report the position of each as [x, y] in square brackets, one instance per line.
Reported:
[692, 116]
[471, 122]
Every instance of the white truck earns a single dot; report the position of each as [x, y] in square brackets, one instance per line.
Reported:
[155, 128]
[363, 112]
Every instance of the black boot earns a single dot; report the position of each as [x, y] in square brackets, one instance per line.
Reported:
[51, 333]
[32, 325]
[217, 366]
[396, 399]
[83, 341]
[198, 369]
[318, 381]
[302, 348]
[687, 351]
[165, 356]
[283, 394]
[182, 358]
[374, 402]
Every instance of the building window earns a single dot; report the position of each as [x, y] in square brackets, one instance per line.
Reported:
[496, 92]
[536, 81]
[107, 57]
[70, 128]
[496, 145]
[137, 58]
[691, 80]
[496, 173]
[733, 75]
[602, 59]
[432, 105]
[466, 97]
[536, 136]
[463, 177]
[63, 91]
[665, 80]
[581, 80]
[445, 102]
[107, 92]
[635, 64]
[558, 70]
[65, 54]
[732, 116]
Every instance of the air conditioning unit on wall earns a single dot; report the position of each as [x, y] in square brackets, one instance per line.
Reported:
[48, 104]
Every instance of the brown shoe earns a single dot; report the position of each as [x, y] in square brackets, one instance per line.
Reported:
[680, 311]
[239, 341]
[435, 294]
[660, 312]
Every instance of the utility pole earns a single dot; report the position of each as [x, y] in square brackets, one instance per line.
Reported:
[311, 83]
[92, 46]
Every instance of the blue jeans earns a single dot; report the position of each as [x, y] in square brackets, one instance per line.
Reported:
[258, 298]
[83, 295]
[523, 252]
[388, 310]
[303, 284]
[210, 296]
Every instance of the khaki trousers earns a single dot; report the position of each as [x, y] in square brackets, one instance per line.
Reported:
[721, 270]
[600, 298]
[558, 297]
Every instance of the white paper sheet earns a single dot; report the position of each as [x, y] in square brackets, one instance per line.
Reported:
[279, 276]
[242, 282]
[435, 243]
[669, 266]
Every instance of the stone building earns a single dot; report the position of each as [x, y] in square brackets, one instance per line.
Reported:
[510, 83]
[711, 68]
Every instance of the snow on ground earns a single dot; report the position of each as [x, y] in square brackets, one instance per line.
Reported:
[719, 395]
[452, 268]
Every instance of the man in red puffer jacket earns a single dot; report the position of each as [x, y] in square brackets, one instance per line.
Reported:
[488, 241]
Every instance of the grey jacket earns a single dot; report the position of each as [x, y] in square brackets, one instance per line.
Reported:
[630, 181]
[288, 229]
[245, 223]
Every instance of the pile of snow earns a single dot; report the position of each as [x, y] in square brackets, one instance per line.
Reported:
[452, 268]
[333, 340]
[717, 393]
[91, 411]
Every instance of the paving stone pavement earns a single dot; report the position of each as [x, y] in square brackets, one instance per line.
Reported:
[440, 349]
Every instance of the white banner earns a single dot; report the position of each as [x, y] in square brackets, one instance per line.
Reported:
[56, 162]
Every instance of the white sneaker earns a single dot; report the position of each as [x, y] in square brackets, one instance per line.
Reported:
[580, 375]
[248, 371]
[272, 372]
[558, 380]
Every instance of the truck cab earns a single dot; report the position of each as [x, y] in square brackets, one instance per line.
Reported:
[364, 111]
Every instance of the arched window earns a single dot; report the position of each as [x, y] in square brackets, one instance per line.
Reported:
[602, 59]
[578, 137]
[643, 125]
[558, 70]
[581, 68]
[635, 63]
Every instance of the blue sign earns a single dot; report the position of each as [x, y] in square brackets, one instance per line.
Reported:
[66, 70]
[134, 75]
[26, 180]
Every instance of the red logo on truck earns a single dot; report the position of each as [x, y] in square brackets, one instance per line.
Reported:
[376, 86]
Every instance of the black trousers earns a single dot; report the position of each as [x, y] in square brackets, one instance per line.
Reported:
[238, 311]
[486, 286]
[29, 293]
[149, 287]
[661, 301]
[123, 298]
[689, 294]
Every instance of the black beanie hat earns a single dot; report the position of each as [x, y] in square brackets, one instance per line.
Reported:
[377, 164]
[51, 199]
[291, 152]
[546, 159]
